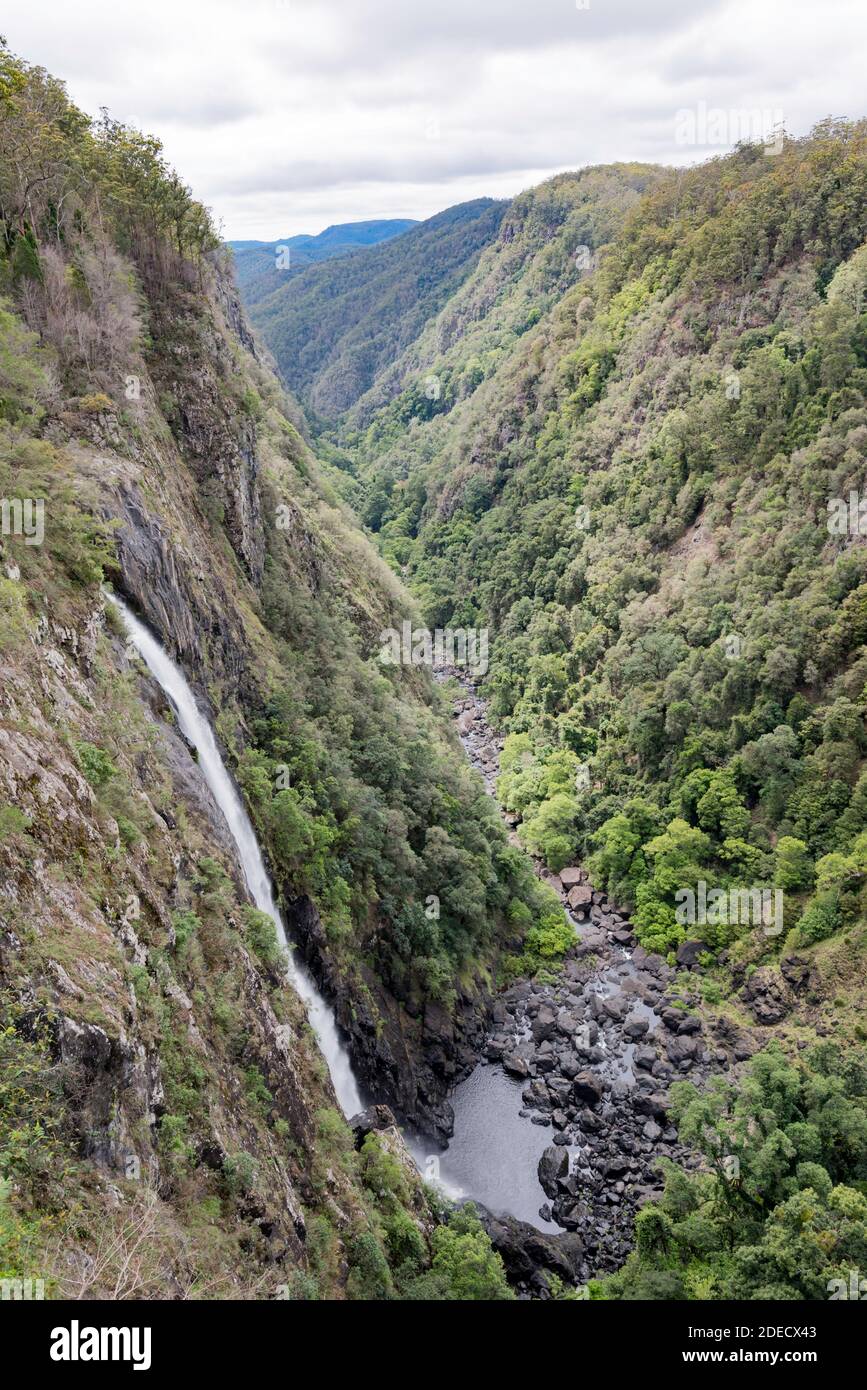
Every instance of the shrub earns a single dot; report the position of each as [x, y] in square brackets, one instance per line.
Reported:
[821, 919]
[240, 1173]
[552, 938]
[95, 764]
[261, 932]
[186, 925]
[468, 1263]
[369, 1274]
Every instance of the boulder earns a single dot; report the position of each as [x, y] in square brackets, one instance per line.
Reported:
[653, 1105]
[524, 1250]
[553, 1165]
[516, 1064]
[688, 953]
[544, 1024]
[616, 1167]
[689, 1024]
[587, 1088]
[635, 1026]
[683, 1051]
[570, 877]
[615, 1007]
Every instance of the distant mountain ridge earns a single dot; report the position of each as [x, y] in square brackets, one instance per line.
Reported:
[262, 266]
[333, 328]
[338, 234]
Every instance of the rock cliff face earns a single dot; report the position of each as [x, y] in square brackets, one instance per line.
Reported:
[411, 1060]
[99, 981]
[188, 1100]
[199, 374]
[172, 571]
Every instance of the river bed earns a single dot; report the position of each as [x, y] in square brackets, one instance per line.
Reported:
[494, 1155]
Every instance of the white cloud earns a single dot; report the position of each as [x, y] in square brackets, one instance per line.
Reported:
[285, 115]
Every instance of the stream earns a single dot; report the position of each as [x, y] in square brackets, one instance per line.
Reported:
[574, 1080]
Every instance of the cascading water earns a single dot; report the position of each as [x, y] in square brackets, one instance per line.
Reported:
[494, 1153]
[196, 728]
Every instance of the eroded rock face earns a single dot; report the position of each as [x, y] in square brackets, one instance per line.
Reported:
[187, 608]
[799, 975]
[215, 431]
[767, 996]
[527, 1254]
[410, 1062]
[155, 577]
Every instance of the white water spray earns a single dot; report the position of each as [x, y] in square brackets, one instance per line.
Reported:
[197, 729]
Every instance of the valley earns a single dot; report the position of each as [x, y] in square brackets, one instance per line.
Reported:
[599, 453]
[331, 973]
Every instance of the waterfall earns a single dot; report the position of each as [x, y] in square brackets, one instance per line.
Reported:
[197, 729]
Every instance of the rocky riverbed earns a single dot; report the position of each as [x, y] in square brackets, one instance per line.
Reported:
[597, 1052]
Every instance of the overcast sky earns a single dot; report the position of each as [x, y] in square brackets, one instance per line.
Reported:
[288, 115]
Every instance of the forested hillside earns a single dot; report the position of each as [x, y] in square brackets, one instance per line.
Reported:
[549, 238]
[261, 267]
[644, 472]
[168, 1127]
[335, 327]
[640, 503]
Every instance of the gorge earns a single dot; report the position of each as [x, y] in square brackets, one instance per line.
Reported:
[494, 1153]
[486, 1106]
[601, 427]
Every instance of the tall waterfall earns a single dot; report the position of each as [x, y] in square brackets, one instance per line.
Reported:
[197, 730]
